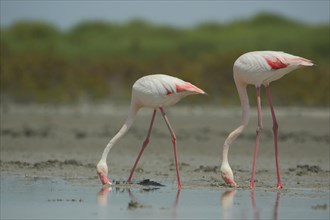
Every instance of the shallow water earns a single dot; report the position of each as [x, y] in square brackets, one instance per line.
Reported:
[49, 198]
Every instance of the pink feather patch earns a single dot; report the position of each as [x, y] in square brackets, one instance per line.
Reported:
[168, 92]
[277, 64]
[229, 181]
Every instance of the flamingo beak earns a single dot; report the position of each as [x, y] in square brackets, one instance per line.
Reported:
[104, 179]
[189, 87]
[230, 182]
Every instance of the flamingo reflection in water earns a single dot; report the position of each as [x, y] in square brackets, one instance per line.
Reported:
[227, 201]
[256, 213]
[134, 200]
[102, 196]
[102, 199]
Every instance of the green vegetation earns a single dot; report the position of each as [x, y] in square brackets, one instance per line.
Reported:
[97, 61]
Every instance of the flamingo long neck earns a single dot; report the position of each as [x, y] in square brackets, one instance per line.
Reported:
[128, 123]
[244, 99]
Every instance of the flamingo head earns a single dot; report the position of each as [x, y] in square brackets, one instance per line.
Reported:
[227, 174]
[102, 172]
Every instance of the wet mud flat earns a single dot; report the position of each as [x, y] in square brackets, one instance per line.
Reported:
[51, 153]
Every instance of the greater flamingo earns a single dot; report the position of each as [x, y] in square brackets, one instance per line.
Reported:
[258, 68]
[154, 91]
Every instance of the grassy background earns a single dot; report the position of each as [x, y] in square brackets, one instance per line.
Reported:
[98, 61]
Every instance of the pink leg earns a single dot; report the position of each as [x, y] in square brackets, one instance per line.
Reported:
[275, 131]
[258, 131]
[145, 143]
[174, 146]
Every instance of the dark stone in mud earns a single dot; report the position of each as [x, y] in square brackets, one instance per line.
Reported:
[15, 163]
[134, 205]
[46, 164]
[313, 169]
[148, 182]
[80, 134]
[305, 169]
[121, 182]
[262, 171]
[320, 207]
[9, 132]
[65, 200]
[139, 170]
[26, 131]
[43, 164]
[301, 173]
[150, 189]
[72, 162]
[181, 165]
[207, 169]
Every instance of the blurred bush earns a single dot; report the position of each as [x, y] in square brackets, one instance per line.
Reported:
[98, 61]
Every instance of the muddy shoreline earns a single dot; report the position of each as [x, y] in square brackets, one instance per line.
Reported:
[67, 142]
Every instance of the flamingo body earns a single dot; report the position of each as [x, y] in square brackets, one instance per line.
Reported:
[154, 91]
[161, 90]
[258, 68]
[263, 67]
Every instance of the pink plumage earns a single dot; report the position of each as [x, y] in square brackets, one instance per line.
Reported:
[154, 91]
[263, 67]
[161, 90]
[258, 68]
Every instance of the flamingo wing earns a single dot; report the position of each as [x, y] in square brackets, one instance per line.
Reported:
[263, 61]
[263, 67]
[278, 60]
